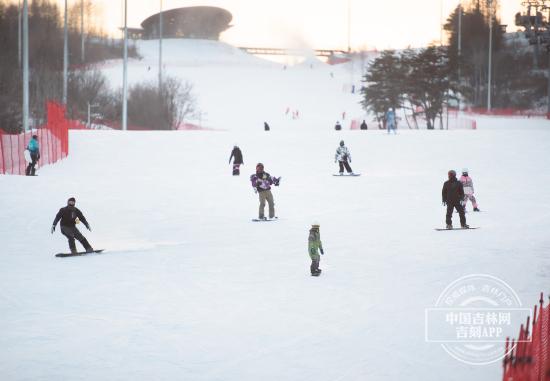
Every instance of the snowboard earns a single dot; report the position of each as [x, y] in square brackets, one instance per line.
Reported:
[443, 229]
[268, 220]
[77, 254]
[346, 175]
[27, 155]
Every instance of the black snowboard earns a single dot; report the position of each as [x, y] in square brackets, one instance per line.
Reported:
[267, 220]
[443, 229]
[346, 175]
[77, 254]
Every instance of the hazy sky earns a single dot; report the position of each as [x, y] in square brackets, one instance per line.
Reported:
[314, 23]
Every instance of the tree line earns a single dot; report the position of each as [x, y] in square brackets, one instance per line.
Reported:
[425, 81]
[86, 83]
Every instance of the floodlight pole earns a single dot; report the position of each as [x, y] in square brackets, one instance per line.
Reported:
[349, 26]
[125, 71]
[490, 69]
[25, 65]
[65, 56]
[160, 48]
[82, 51]
[19, 32]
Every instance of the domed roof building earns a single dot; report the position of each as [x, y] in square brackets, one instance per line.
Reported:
[189, 22]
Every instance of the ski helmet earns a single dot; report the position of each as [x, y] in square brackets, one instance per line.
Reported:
[259, 166]
[464, 171]
[71, 201]
[341, 143]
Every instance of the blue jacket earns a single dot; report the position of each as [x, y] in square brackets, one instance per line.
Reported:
[33, 146]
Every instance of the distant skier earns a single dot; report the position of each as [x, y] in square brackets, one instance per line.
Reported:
[364, 125]
[315, 246]
[266, 126]
[468, 185]
[69, 217]
[261, 182]
[34, 149]
[237, 157]
[390, 121]
[452, 196]
[343, 157]
[338, 126]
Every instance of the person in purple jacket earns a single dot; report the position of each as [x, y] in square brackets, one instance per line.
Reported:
[262, 182]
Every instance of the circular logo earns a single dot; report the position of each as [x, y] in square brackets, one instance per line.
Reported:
[472, 318]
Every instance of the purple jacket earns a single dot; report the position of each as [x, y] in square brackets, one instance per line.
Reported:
[263, 181]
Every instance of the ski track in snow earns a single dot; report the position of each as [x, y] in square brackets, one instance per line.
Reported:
[189, 288]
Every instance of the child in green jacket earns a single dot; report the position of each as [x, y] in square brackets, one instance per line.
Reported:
[315, 246]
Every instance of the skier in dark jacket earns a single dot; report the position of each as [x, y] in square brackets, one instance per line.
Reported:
[261, 182]
[237, 155]
[452, 195]
[69, 217]
[364, 125]
[34, 149]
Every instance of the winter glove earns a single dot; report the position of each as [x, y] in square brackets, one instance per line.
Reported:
[350, 159]
[89, 227]
[53, 228]
[322, 252]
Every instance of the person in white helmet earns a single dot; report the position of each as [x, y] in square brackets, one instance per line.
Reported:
[468, 185]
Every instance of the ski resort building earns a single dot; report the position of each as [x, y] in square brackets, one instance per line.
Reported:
[201, 22]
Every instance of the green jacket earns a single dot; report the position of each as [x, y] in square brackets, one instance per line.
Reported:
[314, 242]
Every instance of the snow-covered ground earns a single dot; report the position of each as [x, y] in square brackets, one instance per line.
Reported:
[190, 289]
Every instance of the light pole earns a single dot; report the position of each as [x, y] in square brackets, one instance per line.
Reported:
[160, 48]
[82, 52]
[125, 71]
[19, 32]
[25, 65]
[490, 69]
[65, 56]
[349, 26]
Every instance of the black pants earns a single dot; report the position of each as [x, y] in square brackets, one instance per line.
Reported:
[31, 170]
[236, 169]
[314, 265]
[459, 209]
[73, 233]
[344, 164]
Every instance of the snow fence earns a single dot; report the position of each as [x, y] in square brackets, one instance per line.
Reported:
[53, 139]
[528, 358]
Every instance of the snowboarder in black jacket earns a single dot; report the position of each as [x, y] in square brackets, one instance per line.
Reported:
[237, 155]
[452, 195]
[69, 217]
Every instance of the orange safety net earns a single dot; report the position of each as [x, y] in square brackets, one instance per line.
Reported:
[53, 140]
[528, 358]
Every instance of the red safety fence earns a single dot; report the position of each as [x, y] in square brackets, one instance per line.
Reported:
[510, 112]
[53, 140]
[528, 358]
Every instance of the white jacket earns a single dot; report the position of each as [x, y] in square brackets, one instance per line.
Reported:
[342, 154]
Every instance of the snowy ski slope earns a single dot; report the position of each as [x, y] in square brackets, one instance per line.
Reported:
[190, 289]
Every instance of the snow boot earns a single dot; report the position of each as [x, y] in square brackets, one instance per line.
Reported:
[465, 226]
[476, 210]
[449, 226]
[89, 249]
[74, 251]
